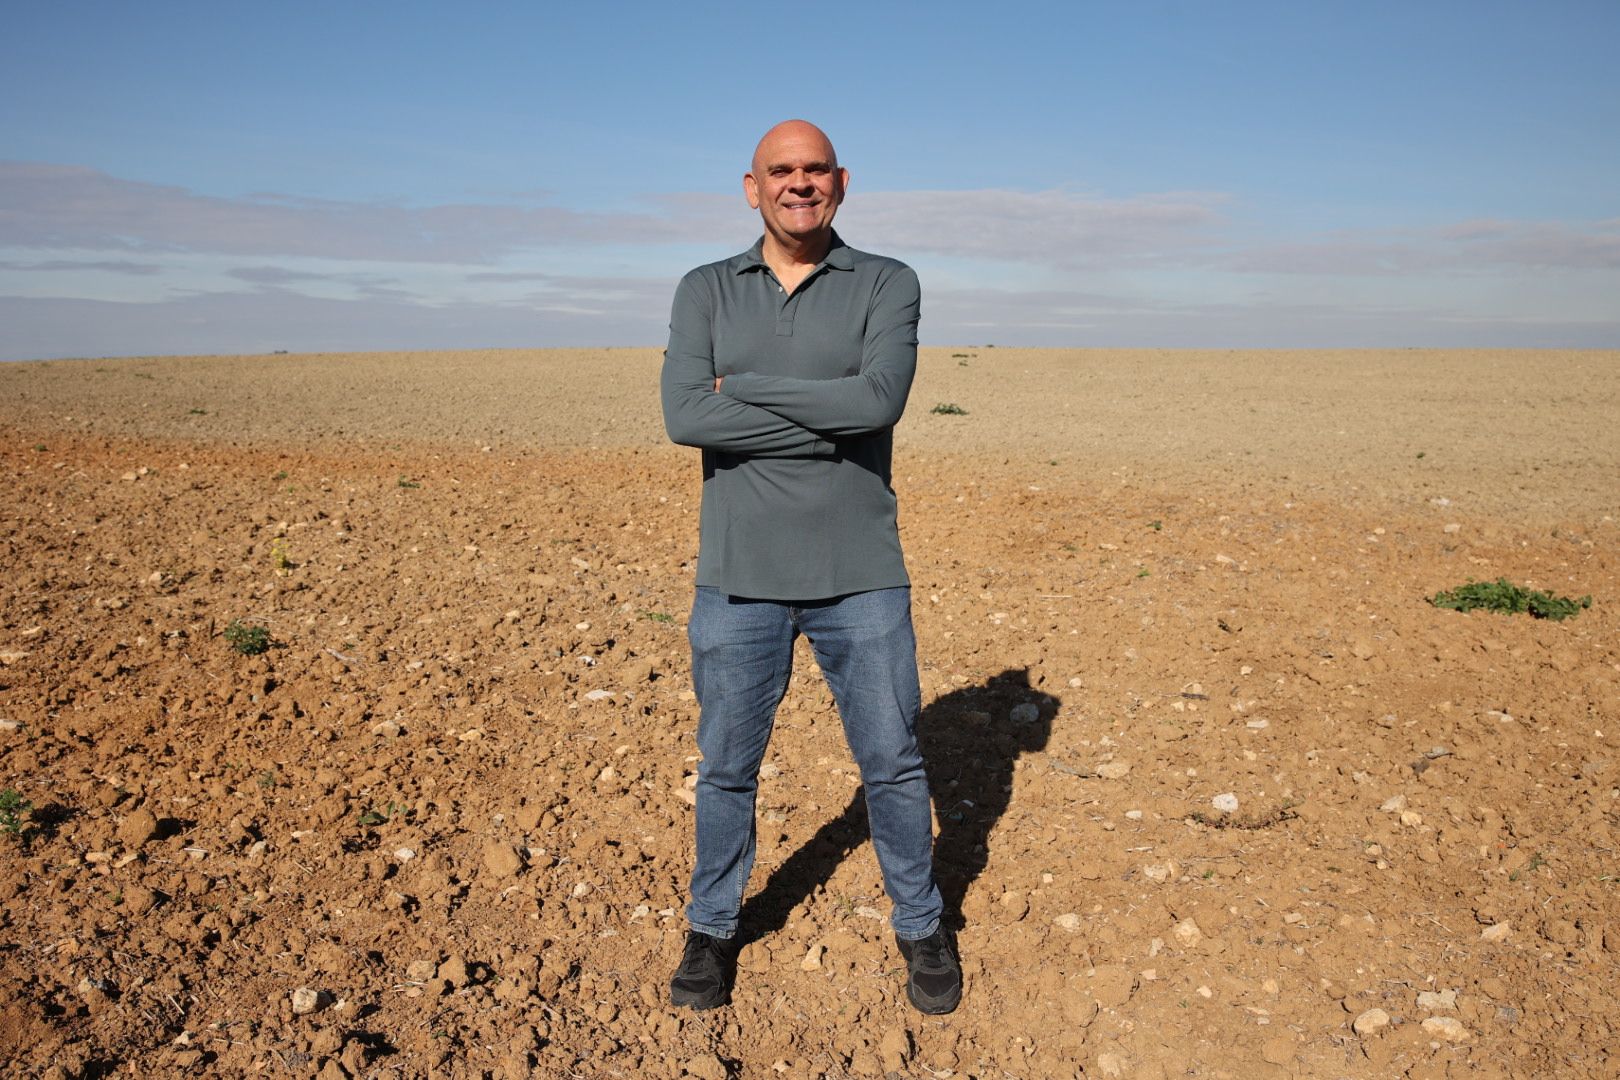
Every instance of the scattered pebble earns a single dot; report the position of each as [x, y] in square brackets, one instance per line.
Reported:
[812, 958]
[306, 1001]
[1226, 803]
[1433, 1000]
[1370, 1022]
[1111, 1063]
[1448, 1028]
[1113, 770]
[1026, 713]
[1187, 933]
[1498, 932]
[1068, 921]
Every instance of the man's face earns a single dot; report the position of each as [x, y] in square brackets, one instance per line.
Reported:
[796, 184]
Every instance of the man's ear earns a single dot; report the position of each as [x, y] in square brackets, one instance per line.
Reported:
[843, 184]
[751, 189]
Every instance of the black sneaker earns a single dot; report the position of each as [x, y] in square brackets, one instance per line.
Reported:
[703, 980]
[933, 973]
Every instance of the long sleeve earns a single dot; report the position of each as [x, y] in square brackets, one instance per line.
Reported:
[694, 415]
[857, 404]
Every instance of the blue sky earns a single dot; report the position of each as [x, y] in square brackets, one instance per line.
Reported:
[191, 177]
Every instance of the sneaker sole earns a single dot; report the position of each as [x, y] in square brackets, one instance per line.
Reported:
[934, 1007]
[698, 1002]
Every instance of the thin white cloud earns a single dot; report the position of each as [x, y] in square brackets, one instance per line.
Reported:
[65, 206]
[1473, 246]
[1050, 228]
[58, 206]
[105, 266]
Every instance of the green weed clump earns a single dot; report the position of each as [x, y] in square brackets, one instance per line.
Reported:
[13, 811]
[247, 640]
[948, 409]
[1510, 599]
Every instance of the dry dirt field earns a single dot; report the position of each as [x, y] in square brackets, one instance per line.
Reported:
[442, 826]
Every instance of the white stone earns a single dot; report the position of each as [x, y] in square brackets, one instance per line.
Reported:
[1448, 1028]
[1371, 1021]
[1226, 803]
[1069, 921]
[1436, 1000]
[305, 1000]
[1499, 932]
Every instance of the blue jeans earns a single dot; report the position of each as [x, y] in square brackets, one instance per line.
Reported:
[742, 656]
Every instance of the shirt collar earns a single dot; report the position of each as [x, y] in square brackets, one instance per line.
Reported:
[840, 256]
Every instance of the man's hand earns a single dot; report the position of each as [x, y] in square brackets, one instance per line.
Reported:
[717, 383]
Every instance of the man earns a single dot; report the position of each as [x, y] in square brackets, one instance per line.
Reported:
[788, 365]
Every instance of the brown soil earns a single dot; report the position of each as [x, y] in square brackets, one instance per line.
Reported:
[452, 801]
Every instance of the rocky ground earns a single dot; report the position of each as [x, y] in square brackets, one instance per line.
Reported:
[1218, 791]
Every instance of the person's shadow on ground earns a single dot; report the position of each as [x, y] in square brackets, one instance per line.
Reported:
[970, 740]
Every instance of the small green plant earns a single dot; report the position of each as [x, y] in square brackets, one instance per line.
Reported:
[1510, 599]
[281, 474]
[14, 810]
[267, 779]
[407, 482]
[948, 409]
[657, 616]
[959, 356]
[279, 557]
[1536, 862]
[39, 448]
[1144, 572]
[199, 412]
[247, 640]
[374, 816]
[1156, 525]
[1420, 455]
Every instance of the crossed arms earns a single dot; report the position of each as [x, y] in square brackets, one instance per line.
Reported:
[762, 415]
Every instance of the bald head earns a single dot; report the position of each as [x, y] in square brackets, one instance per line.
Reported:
[796, 185]
[799, 135]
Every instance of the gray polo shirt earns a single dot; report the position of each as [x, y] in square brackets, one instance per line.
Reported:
[797, 443]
